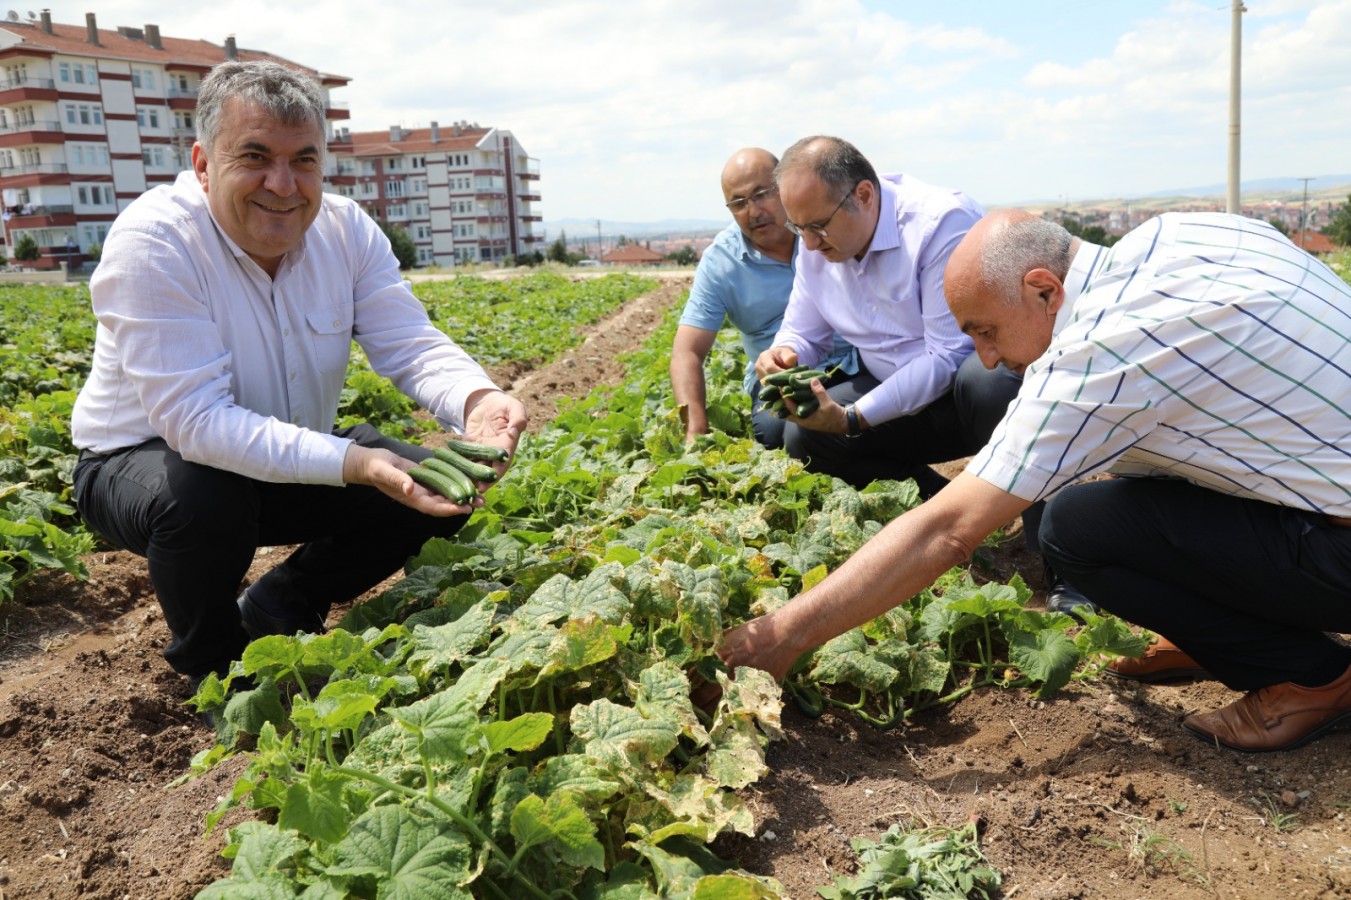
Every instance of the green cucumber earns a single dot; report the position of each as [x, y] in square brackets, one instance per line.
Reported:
[475, 470]
[480, 452]
[807, 407]
[437, 482]
[444, 468]
[783, 376]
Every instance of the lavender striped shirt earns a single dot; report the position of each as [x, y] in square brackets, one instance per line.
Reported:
[1202, 346]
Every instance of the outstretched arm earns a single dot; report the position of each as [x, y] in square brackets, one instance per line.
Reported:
[900, 561]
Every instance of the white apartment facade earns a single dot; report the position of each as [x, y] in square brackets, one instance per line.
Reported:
[464, 193]
[91, 118]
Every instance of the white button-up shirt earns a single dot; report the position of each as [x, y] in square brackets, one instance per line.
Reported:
[236, 370]
[1204, 347]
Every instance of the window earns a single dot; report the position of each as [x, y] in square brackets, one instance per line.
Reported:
[183, 120]
[394, 188]
[82, 193]
[395, 165]
[147, 116]
[397, 210]
[143, 78]
[70, 114]
[64, 70]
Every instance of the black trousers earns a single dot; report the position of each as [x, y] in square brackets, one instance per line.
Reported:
[955, 425]
[198, 528]
[1248, 589]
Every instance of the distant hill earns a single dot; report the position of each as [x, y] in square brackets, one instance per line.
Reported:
[585, 229]
[1295, 186]
[1259, 189]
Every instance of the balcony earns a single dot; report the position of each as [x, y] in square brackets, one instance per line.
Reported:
[176, 92]
[528, 198]
[490, 194]
[532, 218]
[17, 90]
[33, 171]
[31, 130]
[530, 170]
[41, 216]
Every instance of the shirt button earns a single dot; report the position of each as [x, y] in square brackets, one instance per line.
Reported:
[337, 323]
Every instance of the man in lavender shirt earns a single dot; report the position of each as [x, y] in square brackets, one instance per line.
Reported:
[872, 271]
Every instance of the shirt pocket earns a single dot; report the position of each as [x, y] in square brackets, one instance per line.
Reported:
[331, 338]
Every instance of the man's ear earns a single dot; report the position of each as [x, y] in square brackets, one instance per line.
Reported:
[1047, 287]
[199, 163]
[864, 192]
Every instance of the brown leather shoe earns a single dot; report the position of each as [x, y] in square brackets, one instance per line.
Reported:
[1161, 662]
[1280, 717]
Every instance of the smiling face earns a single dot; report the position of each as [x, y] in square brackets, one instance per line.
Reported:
[263, 180]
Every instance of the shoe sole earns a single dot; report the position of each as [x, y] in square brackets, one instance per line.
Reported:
[1165, 676]
[1293, 745]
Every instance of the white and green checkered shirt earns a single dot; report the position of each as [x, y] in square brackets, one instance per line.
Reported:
[1202, 346]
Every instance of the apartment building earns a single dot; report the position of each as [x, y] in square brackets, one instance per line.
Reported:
[92, 118]
[464, 193]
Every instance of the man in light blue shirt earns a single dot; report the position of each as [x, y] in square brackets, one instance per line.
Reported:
[744, 277]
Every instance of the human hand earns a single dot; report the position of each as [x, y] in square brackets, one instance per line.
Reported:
[775, 359]
[388, 473]
[761, 644]
[495, 418]
[827, 416]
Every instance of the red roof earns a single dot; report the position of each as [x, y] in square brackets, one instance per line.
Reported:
[416, 140]
[1312, 241]
[73, 40]
[631, 253]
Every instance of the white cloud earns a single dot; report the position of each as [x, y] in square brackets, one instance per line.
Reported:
[632, 108]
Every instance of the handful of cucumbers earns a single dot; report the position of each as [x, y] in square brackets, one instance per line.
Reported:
[796, 385]
[453, 469]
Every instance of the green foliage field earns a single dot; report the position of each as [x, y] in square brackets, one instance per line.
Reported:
[521, 700]
[46, 349]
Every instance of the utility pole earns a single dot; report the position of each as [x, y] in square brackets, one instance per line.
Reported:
[599, 247]
[1304, 212]
[1233, 205]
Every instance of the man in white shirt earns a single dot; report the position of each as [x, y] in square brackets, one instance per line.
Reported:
[1204, 355]
[227, 304]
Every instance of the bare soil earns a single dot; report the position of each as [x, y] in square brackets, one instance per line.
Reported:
[1093, 793]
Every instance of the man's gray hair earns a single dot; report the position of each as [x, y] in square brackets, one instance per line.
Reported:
[836, 162]
[289, 96]
[1019, 248]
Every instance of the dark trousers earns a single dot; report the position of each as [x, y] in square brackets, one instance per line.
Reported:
[1247, 588]
[198, 528]
[766, 427]
[955, 425]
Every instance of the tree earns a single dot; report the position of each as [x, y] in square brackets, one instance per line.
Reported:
[1278, 225]
[685, 256]
[404, 250]
[26, 248]
[1338, 228]
[558, 250]
[1094, 234]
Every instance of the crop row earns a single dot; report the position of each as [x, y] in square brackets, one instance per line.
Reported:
[520, 701]
[46, 349]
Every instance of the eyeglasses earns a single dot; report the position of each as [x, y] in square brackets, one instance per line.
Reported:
[758, 198]
[819, 230]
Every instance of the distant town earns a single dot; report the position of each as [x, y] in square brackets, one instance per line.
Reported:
[649, 244]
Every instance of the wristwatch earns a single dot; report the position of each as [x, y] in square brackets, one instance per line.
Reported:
[851, 420]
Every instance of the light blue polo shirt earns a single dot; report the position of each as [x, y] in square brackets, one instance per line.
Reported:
[738, 283]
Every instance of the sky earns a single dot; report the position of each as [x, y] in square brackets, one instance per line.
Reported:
[632, 108]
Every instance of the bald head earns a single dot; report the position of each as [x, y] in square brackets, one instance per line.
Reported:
[753, 162]
[751, 195]
[1000, 249]
[1005, 284]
